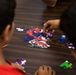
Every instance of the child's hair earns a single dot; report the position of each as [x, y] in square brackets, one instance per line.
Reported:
[7, 13]
[68, 23]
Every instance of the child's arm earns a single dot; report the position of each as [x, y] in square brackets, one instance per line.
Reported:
[51, 24]
[19, 67]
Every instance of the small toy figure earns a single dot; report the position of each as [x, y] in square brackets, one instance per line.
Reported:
[66, 64]
[21, 61]
[70, 46]
[62, 38]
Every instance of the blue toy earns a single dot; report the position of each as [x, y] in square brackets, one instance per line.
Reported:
[62, 38]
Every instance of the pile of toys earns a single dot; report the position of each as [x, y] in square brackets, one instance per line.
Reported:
[36, 38]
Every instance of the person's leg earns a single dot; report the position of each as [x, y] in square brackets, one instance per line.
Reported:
[74, 53]
[45, 70]
[50, 3]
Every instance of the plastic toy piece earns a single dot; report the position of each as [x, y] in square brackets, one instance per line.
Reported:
[66, 65]
[21, 61]
[19, 29]
[49, 34]
[62, 38]
[70, 46]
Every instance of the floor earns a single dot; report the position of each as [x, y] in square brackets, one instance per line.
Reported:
[33, 13]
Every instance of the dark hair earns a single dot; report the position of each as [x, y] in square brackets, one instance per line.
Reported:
[7, 13]
[68, 23]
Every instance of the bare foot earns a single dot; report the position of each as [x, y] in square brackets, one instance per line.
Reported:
[45, 70]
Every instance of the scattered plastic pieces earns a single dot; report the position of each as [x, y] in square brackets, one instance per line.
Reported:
[40, 42]
[36, 38]
[21, 61]
[70, 45]
[66, 65]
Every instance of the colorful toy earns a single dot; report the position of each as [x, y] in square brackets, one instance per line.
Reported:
[35, 37]
[32, 33]
[70, 46]
[62, 38]
[40, 42]
[21, 61]
[66, 65]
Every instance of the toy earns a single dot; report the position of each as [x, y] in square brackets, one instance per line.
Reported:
[49, 34]
[66, 64]
[35, 37]
[70, 46]
[21, 61]
[62, 38]
[40, 42]
[19, 29]
[32, 33]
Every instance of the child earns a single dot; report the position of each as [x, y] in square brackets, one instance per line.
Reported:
[7, 13]
[67, 23]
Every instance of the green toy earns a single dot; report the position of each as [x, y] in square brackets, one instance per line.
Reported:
[66, 64]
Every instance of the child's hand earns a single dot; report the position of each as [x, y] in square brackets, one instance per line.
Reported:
[45, 70]
[19, 67]
[51, 24]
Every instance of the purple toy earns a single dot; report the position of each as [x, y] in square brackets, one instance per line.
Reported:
[49, 34]
[21, 61]
[70, 46]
